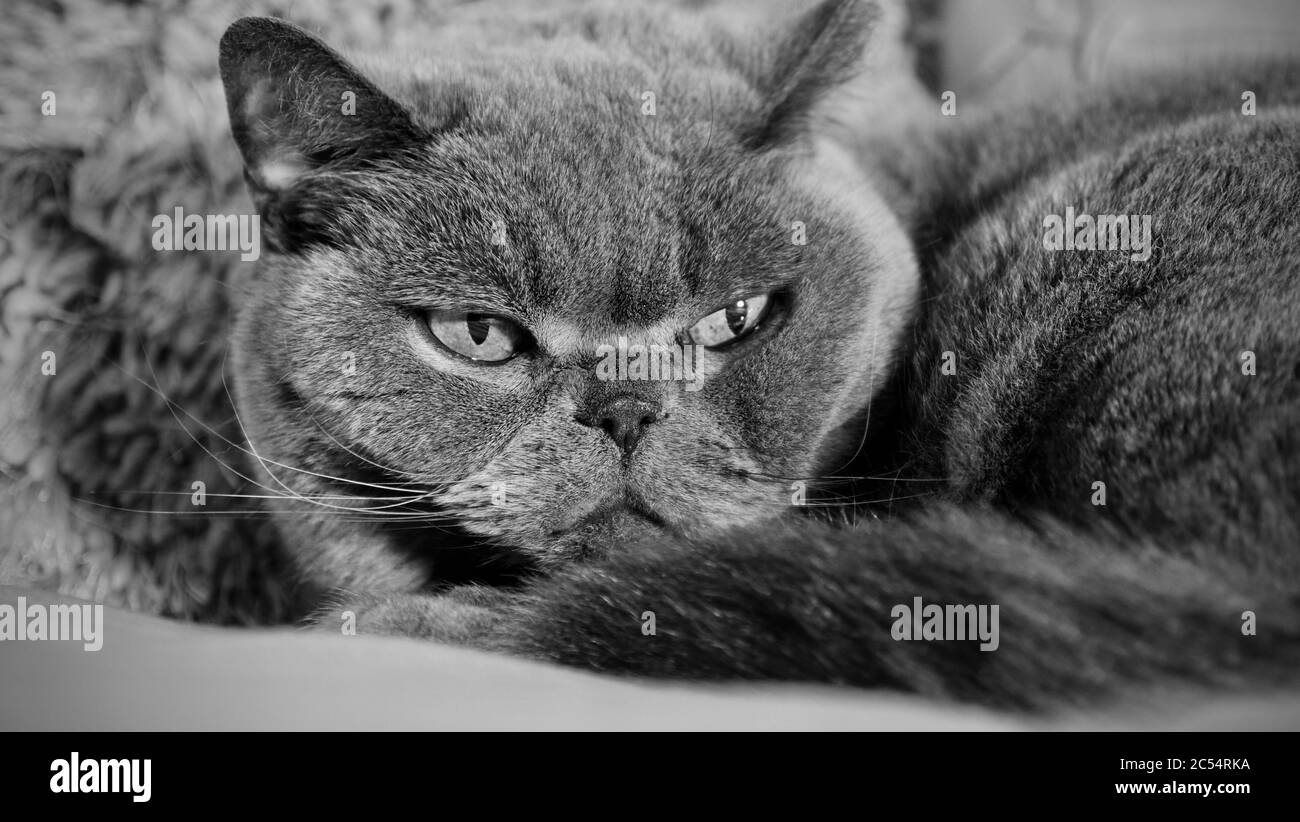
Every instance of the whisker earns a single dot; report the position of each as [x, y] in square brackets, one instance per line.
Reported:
[363, 458]
[261, 513]
[173, 406]
[253, 451]
[871, 396]
[367, 498]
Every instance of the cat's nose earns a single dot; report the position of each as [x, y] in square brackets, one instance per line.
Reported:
[625, 419]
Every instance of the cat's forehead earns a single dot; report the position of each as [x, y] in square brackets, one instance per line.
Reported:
[576, 205]
[606, 230]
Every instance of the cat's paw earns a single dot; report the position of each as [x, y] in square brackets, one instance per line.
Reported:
[469, 615]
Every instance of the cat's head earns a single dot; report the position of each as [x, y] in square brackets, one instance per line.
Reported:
[465, 252]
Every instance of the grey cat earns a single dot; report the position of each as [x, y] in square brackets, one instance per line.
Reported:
[1072, 436]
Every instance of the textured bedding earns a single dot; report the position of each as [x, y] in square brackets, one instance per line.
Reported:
[156, 674]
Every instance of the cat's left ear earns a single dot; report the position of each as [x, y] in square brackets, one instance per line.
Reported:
[296, 105]
[823, 52]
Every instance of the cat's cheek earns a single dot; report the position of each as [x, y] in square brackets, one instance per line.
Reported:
[768, 410]
[535, 485]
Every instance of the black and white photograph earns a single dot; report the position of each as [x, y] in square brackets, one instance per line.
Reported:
[651, 365]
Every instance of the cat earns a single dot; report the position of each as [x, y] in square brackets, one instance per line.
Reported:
[612, 223]
[901, 392]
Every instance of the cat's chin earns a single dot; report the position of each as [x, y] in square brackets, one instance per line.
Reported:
[605, 530]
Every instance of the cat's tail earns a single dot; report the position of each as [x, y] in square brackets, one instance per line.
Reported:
[1060, 617]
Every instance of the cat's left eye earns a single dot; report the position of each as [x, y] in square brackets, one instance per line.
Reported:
[481, 337]
[729, 324]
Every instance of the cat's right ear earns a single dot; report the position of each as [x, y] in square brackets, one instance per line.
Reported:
[822, 52]
[296, 105]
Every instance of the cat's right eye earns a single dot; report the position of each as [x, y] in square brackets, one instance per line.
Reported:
[483, 338]
[731, 323]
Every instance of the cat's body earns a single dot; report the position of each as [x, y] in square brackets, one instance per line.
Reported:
[1072, 368]
[1024, 378]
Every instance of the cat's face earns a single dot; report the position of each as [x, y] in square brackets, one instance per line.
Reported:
[469, 297]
